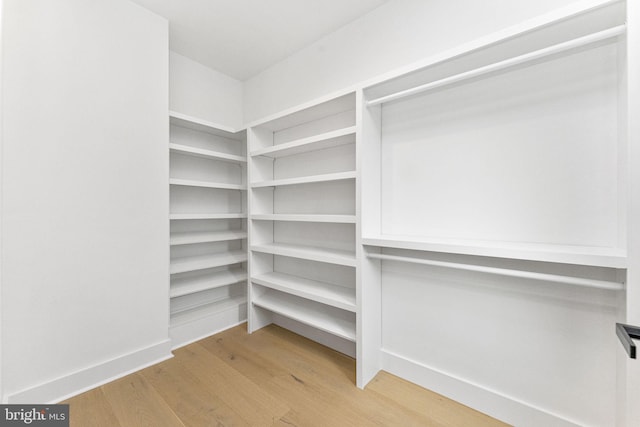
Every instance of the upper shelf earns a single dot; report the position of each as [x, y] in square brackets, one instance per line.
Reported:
[317, 142]
[565, 254]
[207, 154]
[337, 219]
[187, 238]
[185, 216]
[561, 32]
[206, 184]
[339, 176]
[331, 256]
[201, 125]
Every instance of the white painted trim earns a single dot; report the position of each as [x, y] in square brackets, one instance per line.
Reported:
[491, 402]
[93, 376]
[186, 342]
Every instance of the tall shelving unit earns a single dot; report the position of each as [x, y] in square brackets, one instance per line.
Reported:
[208, 212]
[302, 223]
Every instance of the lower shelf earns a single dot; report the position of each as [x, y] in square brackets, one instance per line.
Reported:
[338, 322]
[332, 256]
[197, 312]
[189, 285]
[325, 293]
[206, 321]
[182, 265]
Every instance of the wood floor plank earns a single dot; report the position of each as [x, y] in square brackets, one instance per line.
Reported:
[256, 406]
[136, 403]
[444, 411]
[91, 409]
[193, 401]
[272, 377]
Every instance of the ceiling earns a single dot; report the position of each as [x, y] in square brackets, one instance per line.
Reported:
[241, 38]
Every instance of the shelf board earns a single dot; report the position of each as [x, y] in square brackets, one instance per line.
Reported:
[206, 184]
[197, 312]
[178, 216]
[331, 256]
[339, 219]
[565, 254]
[339, 176]
[206, 237]
[201, 125]
[190, 285]
[201, 262]
[322, 292]
[207, 154]
[309, 313]
[317, 142]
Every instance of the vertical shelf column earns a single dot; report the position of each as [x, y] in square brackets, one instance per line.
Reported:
[208, 211]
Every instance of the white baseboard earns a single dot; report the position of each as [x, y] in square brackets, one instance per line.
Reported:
[94, 376]
[328, 340]
[490, 402]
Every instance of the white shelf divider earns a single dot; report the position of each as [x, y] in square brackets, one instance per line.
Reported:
[206, 184]
[322, 292]
[317, 142]
[339, 176]
[188, 238]
[338, 219]
[189, 285]
[187, 216]
[207, 154]
[202, 262]
[331, 256]
[324, 318]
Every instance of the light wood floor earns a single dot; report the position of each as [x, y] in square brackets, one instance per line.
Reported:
[269, 378]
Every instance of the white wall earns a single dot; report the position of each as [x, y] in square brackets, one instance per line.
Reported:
[204, 93]
[391, 36]
[84, 221]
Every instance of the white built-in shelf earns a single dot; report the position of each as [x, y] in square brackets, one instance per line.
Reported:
[206, 184]
[324, 318]
[322, 292]
[196, 123]
[201, 262]
[199, 311]
[331, 256]
[189, 285]
[317, 142]
[579, 255]
[192, 237]
[207, 154]
[339, 176]
[183, 216]
[338, 219]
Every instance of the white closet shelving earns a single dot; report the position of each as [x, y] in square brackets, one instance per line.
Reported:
[555, 84]
[208, 228]
[302, 223]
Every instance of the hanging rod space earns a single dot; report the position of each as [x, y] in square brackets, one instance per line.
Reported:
[507, 63]
[568, 280]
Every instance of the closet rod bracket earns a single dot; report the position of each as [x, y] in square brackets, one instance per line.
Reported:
[626, 334]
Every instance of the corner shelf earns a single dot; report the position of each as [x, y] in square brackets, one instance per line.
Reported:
[193, 237]
[326, 319]
[189, 285]
[206, 154]
[202, 262]
[322, 292]
[338, 219]
[331, 256]
[205, 184]
[317, 142]
[305, 179]
[197, 312]
[189, 216]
